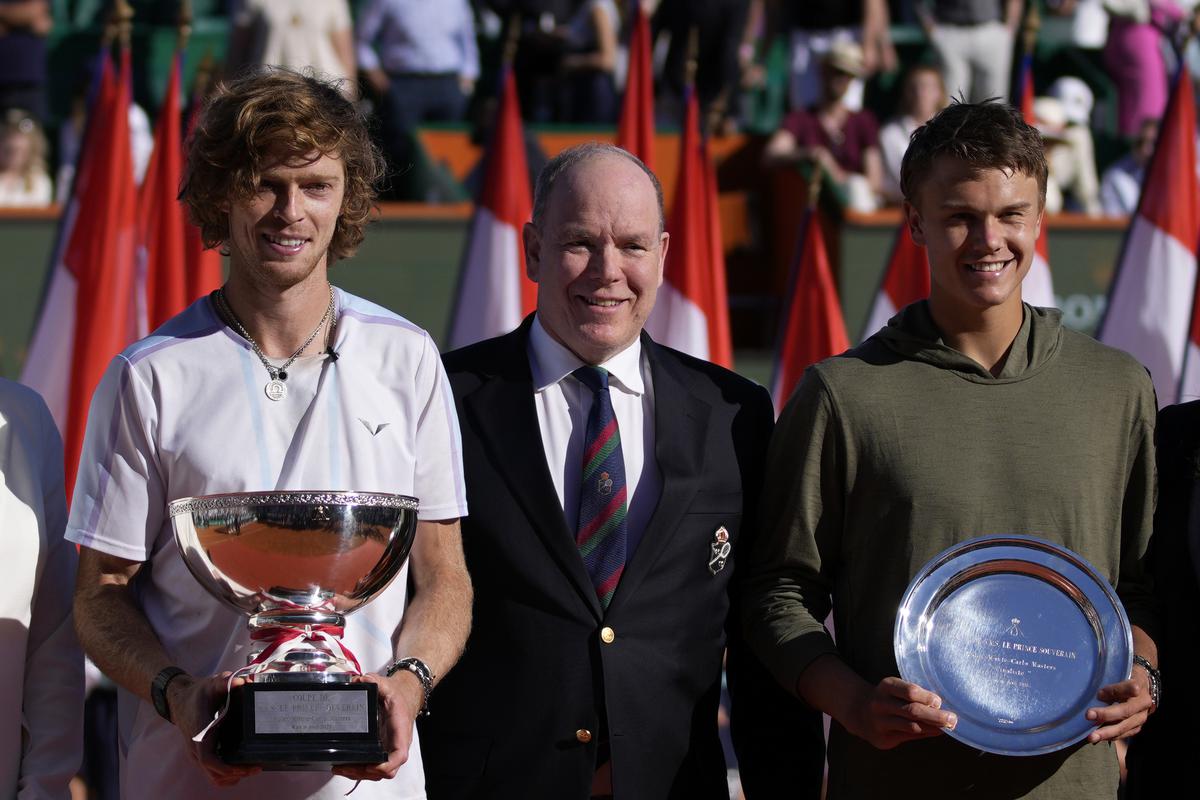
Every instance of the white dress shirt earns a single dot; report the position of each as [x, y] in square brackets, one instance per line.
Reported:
[563, 404]
[1122, 187]
[418, 36]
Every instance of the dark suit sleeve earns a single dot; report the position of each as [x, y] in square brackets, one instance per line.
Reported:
[1161, 757]
[778, 739]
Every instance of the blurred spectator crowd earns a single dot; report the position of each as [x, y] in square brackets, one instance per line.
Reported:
[834, 87]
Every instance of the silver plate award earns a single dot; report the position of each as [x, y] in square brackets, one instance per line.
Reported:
[1016, 635]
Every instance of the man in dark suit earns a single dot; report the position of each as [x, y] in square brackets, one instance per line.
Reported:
[1161, 758]
[609, 480]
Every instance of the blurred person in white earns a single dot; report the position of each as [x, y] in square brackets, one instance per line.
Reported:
[41, 673]
[1086, 21]
[973, 40]
[23, 179]
[1063, 118]
[923, 96]
[70, 140]
[298, 34]
[1122, 184]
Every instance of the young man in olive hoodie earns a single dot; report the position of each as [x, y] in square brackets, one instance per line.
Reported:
[969, 414]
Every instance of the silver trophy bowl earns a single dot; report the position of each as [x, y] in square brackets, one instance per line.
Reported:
[296, 562]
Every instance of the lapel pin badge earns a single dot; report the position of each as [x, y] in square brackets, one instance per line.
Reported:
[719, 550]
[605, 485]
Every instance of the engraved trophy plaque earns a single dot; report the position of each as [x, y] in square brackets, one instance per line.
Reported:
[297, 563]
[1016, 635]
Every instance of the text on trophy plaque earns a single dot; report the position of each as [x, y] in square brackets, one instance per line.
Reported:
[311, 712]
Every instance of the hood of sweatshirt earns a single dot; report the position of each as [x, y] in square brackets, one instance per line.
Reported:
[913, 335]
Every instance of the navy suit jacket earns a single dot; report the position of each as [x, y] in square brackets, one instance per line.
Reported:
[539, 688]
[1161, 758]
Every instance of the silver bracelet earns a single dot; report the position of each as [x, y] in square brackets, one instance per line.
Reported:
[417, 667]
[1155, 680]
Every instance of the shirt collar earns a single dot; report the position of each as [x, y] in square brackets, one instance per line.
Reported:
[550, 362]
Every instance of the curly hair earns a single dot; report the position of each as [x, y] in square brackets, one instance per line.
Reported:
[267, 117]
[987, 135]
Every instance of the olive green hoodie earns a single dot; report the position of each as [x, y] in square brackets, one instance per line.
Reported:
[899, 448]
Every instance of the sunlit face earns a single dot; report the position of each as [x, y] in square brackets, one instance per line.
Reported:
[979, 228]
[1143, 147]
[598, 258]
[15, 150]
[280, 236]
[834, 82]
[925, 96]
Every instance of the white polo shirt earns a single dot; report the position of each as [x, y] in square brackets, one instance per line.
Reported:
[183, 413]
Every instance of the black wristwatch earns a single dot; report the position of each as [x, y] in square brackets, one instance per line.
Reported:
[158, 690]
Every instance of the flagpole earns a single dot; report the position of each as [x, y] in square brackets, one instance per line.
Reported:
[123, 14]
[508, 54]
[1030, 28]
[183, 25]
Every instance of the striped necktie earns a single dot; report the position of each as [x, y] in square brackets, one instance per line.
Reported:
[600, 534]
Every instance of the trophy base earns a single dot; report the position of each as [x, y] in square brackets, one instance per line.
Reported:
[298, 726]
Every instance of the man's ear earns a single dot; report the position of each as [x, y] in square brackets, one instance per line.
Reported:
[533, 251]
[912, 218]
[665, 240]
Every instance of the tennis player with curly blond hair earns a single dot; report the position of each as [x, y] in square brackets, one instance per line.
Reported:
[276, 381]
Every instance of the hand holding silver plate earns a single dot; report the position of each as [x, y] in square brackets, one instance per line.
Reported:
[1018, 636]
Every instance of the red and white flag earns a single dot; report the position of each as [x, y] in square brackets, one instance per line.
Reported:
[47, 366]
[494, 294]
[88, 314]
[691, 313]
[1151, 301]
[1038, 288]
[905, 280]
[161, 252]
[720, 338]
[635, 132]
[813, 327]
[204, 271]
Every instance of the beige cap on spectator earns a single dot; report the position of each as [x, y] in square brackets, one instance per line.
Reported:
[846, 57]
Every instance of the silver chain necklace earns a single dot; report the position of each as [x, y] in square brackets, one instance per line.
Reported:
[276, 388]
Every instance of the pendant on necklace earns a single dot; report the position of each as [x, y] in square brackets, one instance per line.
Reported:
[275, 389]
